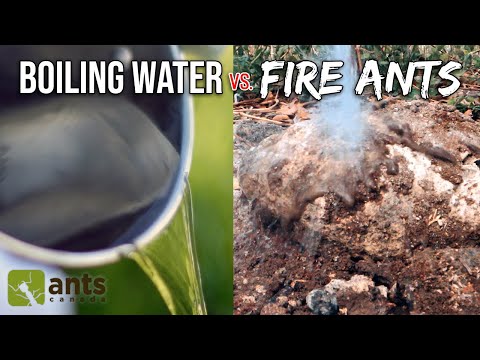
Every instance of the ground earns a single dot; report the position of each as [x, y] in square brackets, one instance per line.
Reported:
[437, 271]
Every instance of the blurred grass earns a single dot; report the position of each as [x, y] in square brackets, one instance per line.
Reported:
[212, 189]
[129, 290]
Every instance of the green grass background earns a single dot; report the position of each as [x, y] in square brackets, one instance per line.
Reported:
[129, 290]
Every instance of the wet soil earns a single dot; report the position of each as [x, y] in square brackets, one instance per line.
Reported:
[433, 268]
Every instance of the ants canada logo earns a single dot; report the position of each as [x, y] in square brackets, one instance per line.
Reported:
[26, 287]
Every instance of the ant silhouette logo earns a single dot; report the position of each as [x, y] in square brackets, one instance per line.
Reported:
[26, 287]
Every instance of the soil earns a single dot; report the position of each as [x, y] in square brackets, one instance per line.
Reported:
[432, 268]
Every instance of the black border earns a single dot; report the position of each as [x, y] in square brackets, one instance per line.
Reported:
[245, 23]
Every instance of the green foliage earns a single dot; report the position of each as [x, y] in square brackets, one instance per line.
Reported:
[212, 189]
[467, 55]
[463, 103]
[249, 58]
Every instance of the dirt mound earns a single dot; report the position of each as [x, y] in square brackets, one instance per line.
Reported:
[311, 210]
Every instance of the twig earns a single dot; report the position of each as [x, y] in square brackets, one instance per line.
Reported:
[470, 86]
[474, 52]
[308, 103]
[261, 52]
[359, 57]
[434, 218]
[249, 101]
[264, 119]
[267, 101]
[369, 51]
[275, 103]
[263, 110]
[443, 101]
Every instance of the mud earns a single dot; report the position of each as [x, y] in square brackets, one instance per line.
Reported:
[407, 219]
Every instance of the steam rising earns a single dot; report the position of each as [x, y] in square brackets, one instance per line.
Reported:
[342, 126]
[342, 113]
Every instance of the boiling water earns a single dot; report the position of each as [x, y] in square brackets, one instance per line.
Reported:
[171, 262]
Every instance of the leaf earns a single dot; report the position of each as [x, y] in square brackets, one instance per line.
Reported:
[303, 114]
[467, 60]
[459, 53]
[281, 117]
[461, 107]
[269, 97]
[288, 109]
[444, 57]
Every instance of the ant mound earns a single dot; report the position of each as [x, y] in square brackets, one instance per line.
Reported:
[410, 182]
